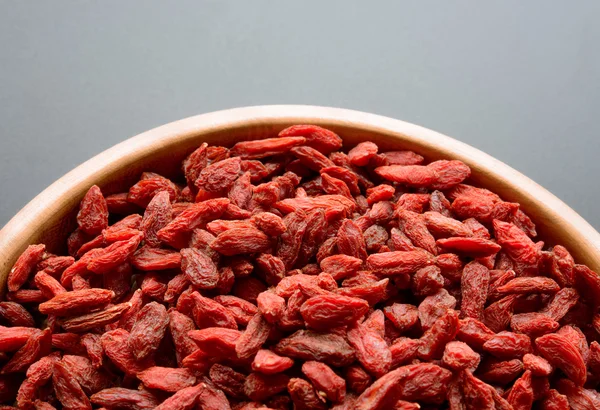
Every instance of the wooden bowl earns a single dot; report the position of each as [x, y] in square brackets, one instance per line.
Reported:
[50, 217]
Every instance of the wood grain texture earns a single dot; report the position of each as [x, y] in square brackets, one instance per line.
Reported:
[50, 217]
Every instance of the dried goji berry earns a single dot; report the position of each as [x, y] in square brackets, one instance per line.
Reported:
[269, 223]
[399, 262]
[350, 240]
[166, 379]
[497, 315]
[438, 335]
[49, 286]
[118, 204]
[474, 286]
[325, 380]
[268, 362]
[259, 387]
[561, 266]
[381, 192]
[20, 272]
[76, 302]
[94, 320]
[561, 353]
[537, 365]
[16, 315]
[148, 330]
[521, 394]
[323, 347]
[271, 268]
[271, 306]
[435, 306]
[311, 158]
[114, 255]
[538, 284]
[554, 401]
[415, 229]
[403, 158]
[67, 389]
[327, 311]
[458, 356]
[199, 268]
[117, 350]
[322, 139]
[240, 241]
[208, 313]
[417, 176]
[477, 395]
[507, 345]
[126, 398]
[93, 212]
[228, 380]
[499, 371]
[533, 324]
[267, 147]
[371, 349]
[142, 193]
[179, 326]
[157, 215]
[253, 337]
[420, 382]
[515, 242]
[89, 378]
[334, 186]
[473, 246]
[304, 395]
[184, 399]
[587, 282]
[178, 232]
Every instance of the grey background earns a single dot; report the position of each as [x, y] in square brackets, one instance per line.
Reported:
[517, 79]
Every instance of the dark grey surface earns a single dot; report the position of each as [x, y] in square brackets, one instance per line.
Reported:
[517, 79]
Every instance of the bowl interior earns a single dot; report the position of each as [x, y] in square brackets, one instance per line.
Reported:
[50, 217]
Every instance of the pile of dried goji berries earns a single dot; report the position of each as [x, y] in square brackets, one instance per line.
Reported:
[284, 273]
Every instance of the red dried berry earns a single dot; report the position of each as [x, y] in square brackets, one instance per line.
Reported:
[473, 246]
[259, 387]
[167, 379]
[142, 193]
[158, 214]
[474, 286]
[94, 320]
[253, 337]
[508, 345]
[304, 395]
[321, 139]
[267, 147]
[240, 241]
[561, 353]
[76, 302]
[267, 362]
[67, 389]
[115, 397]
[438, 335]
[16, 315]
[515, 242]
[228, 380]
[148, 330]
[327, 311]
[459, 356]
[93, 212]
[329, 348]
[20, 272]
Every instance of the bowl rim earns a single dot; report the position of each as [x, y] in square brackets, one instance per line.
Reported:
[19, 231]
